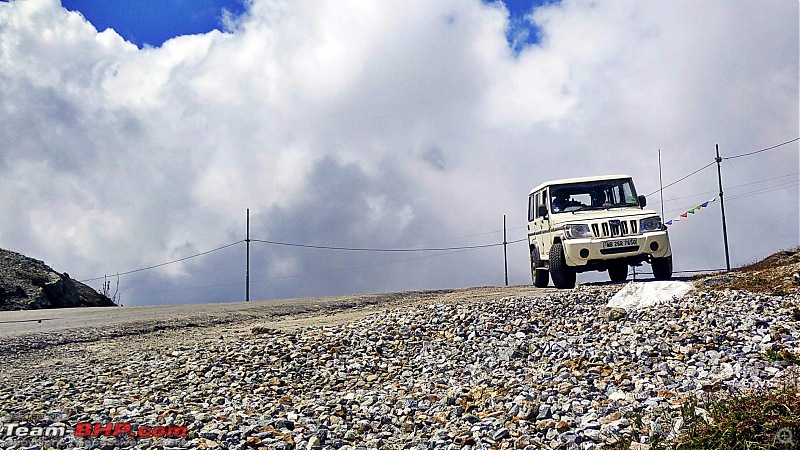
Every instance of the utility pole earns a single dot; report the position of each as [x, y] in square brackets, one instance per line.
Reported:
[247, 273]
[661, 185]
[722, 207]
[505, 248]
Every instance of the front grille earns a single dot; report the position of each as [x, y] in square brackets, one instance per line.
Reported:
[615, 228]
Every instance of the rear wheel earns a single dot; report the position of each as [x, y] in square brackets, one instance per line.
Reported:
[539, 276]
[662, 268]
[618, 272]
[563, 275]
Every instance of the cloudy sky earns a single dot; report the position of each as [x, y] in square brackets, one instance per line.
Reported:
[396, 125]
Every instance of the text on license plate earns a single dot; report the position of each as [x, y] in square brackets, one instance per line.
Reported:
[619, 243]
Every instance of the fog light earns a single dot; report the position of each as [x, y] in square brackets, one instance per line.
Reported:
[584, 253]
[654, 246]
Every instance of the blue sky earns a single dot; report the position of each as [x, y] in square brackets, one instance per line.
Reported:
[152, 22]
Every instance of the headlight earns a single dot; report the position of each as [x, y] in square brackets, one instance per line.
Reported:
[650, 224]
[577, 231]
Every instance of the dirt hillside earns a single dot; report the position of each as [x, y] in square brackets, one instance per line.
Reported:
[777, 274]
[27, 283]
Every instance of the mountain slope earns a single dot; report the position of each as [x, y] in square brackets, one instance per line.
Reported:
[27, 283]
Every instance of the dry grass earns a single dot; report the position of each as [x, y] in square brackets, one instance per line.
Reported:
[757, 420]
[760, 420]
[774, 275]
[776, 260]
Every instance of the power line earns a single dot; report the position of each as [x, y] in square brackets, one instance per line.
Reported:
[687, 176]
[385, 263]
[367, 249]
[341, 269]
[429, 242]
[766, 190]
[164, 264]
[729, 188]
[763, 149]
[429, 249]
[729, 157]
[764, 180]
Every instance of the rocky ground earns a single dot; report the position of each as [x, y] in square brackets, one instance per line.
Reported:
[27, 283]
[534, 369]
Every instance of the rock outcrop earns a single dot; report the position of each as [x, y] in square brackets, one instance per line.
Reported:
[27, 283]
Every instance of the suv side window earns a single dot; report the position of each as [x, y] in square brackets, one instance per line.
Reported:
[541, 199]
[531, 209]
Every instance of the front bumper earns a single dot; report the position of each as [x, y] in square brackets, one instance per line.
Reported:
[579, 252]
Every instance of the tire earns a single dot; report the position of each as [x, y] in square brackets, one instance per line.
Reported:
[562, 274]
[662, 268]
[540, 277]
[618, 272]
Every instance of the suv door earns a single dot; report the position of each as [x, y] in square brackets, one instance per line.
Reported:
[544, 240]
[540, 225]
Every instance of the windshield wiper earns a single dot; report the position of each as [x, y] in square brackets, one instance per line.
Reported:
[618, 205]
[585, 208]
[622, 205]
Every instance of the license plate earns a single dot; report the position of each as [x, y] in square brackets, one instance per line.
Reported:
[619, 243]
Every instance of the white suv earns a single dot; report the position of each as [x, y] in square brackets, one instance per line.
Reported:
[593, 223]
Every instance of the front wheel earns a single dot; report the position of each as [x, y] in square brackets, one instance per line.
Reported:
[562, 274]
[662, 268]
[618, 273]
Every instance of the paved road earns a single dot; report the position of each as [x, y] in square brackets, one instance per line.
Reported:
[54, 321]
[57, 320]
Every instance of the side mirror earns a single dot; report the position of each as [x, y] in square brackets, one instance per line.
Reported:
[642, 201]
[542, 212]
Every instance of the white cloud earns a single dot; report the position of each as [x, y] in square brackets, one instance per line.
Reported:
[380, 125]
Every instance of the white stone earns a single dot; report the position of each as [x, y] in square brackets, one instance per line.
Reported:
[637, 295]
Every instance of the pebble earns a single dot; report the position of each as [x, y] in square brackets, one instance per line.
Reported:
[557, 370]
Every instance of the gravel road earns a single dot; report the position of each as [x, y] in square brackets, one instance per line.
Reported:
[481, 368]
[35, 329]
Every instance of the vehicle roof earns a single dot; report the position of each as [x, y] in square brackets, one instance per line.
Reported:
[577, 180]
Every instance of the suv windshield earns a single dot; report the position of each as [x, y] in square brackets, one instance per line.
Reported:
[593, 195]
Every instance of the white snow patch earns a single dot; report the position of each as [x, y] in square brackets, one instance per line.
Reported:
[644, 295]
